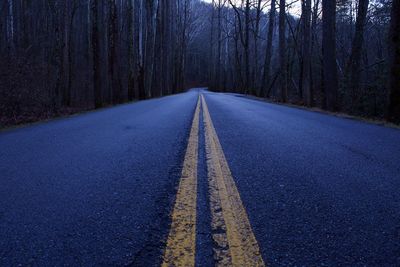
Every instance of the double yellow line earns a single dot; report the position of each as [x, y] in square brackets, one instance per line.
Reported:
[235, 242]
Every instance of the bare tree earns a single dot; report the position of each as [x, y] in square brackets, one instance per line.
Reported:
[151, 18]
[11, 26]
[57, 7]
[94, 45]
[306, 54]
[72, 7]
[246, 46]
[314, 45]
[354, 68]
[282, 50]
[113, 72]
[131, 52]
[256, 31]
[54, 50]
[268, 52]
[393, 114]
[330, 77]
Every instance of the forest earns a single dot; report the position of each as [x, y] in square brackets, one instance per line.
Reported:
[65, 56]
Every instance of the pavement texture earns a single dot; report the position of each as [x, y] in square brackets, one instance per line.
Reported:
[319, 190]
[98, 189]
[95, 189]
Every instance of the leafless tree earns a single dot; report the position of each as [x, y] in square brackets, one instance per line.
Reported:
[394, 56]
[329, 53]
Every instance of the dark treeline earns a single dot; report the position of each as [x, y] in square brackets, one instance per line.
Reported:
[61, 56]
[338, 55]
[76, 54]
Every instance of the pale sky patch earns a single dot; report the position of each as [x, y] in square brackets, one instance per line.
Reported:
[294, 8]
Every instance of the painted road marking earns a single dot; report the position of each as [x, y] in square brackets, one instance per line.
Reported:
[181, 243]
[235, 242]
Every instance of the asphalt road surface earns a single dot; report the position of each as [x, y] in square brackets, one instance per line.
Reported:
[190, 180]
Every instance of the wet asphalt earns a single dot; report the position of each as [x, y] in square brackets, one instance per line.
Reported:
[97, 189]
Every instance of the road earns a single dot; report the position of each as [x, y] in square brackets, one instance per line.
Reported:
[194, 180]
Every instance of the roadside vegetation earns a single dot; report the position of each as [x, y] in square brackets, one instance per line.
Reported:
[63, 56]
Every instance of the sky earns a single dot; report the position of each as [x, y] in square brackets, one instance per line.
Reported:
[295, 8]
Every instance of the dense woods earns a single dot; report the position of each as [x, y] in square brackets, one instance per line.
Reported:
[337, 55]
[62, 56]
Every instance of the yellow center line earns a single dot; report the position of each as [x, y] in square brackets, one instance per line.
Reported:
[181, 243]
[232, 233]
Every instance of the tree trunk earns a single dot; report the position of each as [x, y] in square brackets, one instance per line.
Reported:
[131, 55]
[393, 113]
[115, 89]
[151, 16]
[248, 86]
[353, 79]
[256, 73]
[139, 29]
[211, 59]
[268, 53]
[306, 54]
[57, 8]
[282, 50]
[69, 50]
[164, 45]
[314, 44]
[95, 53]
[10, 27]
[330, 79]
